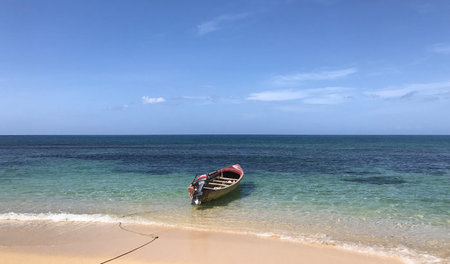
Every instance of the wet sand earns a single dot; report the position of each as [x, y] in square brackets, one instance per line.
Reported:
[73, 242]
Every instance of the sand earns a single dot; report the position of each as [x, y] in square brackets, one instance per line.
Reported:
[74, 242]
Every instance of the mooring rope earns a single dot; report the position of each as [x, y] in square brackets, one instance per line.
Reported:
[154, 237]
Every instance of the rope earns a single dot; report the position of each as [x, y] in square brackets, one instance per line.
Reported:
[134, 249]
[131, 231]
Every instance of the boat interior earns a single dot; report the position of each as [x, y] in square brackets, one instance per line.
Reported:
[222, 181]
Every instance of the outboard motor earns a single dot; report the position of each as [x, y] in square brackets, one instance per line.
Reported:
[197, 185]
[196, 188]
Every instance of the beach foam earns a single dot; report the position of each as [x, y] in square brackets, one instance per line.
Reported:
[407, 255]
[59, 217]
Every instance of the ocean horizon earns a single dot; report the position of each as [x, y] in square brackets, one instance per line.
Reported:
[385, 194]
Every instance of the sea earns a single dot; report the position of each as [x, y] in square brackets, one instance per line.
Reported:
[386, 195]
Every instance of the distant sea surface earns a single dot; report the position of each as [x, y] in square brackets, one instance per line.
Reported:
[383, 194]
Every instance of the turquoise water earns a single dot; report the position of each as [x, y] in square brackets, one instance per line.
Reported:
[383, 194]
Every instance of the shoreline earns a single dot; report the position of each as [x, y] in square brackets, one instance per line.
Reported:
[88, 242]
[405, 254]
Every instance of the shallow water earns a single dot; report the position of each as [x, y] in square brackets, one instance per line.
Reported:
[388, 194]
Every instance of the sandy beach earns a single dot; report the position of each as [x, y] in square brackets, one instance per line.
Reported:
[72, 242]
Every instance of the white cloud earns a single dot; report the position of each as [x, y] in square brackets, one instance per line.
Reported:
[283, 95]
[218, 22]
[430, 90]
[152, 100]
[311, 76]
[441, 48]
[327, 95]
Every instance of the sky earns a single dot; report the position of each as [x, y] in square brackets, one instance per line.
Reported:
[224, 67]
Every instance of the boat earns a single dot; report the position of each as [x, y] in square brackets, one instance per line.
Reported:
[213, 185]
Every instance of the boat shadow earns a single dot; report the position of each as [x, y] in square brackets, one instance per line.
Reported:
[242, 191]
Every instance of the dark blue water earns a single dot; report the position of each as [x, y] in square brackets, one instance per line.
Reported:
[381, 193]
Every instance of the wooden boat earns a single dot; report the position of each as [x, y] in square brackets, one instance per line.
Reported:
[215, 184]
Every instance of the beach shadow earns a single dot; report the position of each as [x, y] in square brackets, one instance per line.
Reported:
[242, 191]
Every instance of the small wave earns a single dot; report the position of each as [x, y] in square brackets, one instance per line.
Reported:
[407, 255]
[59, 217]
[83, 218]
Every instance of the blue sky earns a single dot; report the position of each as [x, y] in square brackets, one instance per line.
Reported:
[225, 67]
